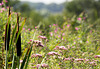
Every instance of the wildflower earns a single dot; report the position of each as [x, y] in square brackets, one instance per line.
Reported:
[23, 28]
[39, 44]
[44, 65]
[79, 19]
[97, 56]
[84, 18]
[42, 37]
[6, 1]
[93, 63]
[76, 28]
[1, 11]
[37, 41]
[36, 55]
[0, 4]
[53, 53]
[54, 24]
[29, 29]
[66, 59]
[68, 25]
[31, 40]
[63, 34]
[39, 65]
[35, 27]
[51, 33]
[58, 35]
[28, 42]
[61, 47]
[49, 25]
[79, 59]
[55, 31]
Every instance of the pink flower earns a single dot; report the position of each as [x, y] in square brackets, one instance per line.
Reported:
[0, 4]
[97, 56]
[76, 28]
[51, 33]
[66, 59]
[3, 9]
[23, 28]
[79, 59]
[55, 30]
[79, 19]
[37, 41]
[28, 42]
[54, 24]
[49, 25]
[36, 55]
[44, 65]
[60, 47]
[53, 53]
[6, 1]
[28, 29]
[35, 27]
[58, 35]
[68, 25]
[31, 40]
[42, 37]
[84, 18]
[63, 34]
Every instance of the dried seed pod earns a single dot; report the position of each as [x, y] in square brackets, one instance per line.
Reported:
[7, 33]
[7, 36]
[18, 43]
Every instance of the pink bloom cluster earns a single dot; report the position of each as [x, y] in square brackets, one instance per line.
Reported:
[79, 59]
[60, 47]
[66, 59]
[51, 33]
[97, 56]
[38, 43]
[36, 55]
[79, 19]
[42, 37]
[68, 25]
[76, 28]
[40, 65]
[53, 53]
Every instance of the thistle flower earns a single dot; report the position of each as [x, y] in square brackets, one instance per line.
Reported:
[18, 43]
[7, 33]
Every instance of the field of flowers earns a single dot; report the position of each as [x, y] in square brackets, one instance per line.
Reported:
[75, 46]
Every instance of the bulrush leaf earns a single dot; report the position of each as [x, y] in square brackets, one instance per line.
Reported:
[18, 43]
[7, 32]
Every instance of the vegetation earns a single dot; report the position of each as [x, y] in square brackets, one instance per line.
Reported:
[57, 41]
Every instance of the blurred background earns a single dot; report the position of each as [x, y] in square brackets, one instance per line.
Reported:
[49, 12]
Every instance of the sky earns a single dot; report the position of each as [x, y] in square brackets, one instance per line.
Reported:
[46, 1]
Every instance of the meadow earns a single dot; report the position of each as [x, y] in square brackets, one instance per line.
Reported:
[75, 45]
